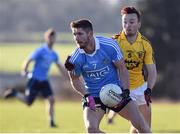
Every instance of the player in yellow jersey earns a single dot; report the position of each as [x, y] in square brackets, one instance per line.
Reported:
[138, 53]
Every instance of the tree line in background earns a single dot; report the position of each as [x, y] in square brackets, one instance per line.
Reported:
[160, 24]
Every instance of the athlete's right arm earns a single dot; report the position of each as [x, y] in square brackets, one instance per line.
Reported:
[77, 83]
[25, 67]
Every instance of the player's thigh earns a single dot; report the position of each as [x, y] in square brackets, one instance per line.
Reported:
[92, 118]
[125, 111]
[31, 91]
[146, 112]
[141, 102]
[131, 113]
[51, 99]
[47, 90]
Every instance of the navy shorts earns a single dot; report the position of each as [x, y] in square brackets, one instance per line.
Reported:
[34, 87]
[99, 104]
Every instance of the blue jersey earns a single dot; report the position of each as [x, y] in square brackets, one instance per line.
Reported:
[43, 58]
[98, 68]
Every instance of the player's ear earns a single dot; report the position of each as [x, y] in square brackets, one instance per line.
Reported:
[90, 33]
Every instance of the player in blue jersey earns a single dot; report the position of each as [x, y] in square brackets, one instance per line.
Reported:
[98, 60]
[43, 57]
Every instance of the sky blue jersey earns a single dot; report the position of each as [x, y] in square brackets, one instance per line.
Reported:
[98, 68]
[43, 57]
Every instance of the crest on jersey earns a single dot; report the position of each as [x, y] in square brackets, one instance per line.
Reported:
[140, 54]
[106, 61]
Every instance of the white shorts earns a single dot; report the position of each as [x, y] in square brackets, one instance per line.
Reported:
[137, 94]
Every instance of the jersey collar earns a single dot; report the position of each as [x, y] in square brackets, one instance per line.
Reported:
[97, 46]
[46, 47]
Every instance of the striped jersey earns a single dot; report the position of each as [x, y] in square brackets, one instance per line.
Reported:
[98, 68]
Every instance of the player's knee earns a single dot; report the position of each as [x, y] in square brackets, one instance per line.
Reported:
[51, 100]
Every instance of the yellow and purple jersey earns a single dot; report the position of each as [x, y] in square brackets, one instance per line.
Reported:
[135, 55]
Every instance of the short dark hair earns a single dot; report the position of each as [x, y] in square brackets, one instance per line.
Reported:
[50, 32]
[130, 10]
[83, 23]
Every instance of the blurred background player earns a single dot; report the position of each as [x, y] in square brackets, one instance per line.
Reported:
[98, 60]
[43, 57]
[138, 55]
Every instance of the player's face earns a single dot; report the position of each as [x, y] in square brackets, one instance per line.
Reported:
[130, 24]
[81, 37]
[50, 40]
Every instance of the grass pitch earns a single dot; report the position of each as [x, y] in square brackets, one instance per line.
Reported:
[16, 117]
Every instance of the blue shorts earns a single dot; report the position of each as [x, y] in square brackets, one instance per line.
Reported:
[34, 87]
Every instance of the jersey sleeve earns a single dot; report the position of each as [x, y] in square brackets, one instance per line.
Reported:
[35, 54]
[56, 58]
[76, 60]
[149, 54]
[115, 52]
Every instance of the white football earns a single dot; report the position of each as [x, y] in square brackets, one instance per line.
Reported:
[110, 95]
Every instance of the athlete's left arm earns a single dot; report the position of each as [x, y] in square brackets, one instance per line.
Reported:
[149, 62]
[152, 75]
[62, 70]
[123, 73]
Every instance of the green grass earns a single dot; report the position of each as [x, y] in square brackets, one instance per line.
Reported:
[13, 55]
[16, 117]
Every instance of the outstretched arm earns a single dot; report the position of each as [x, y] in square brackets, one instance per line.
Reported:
[62, 70]
[25, 70]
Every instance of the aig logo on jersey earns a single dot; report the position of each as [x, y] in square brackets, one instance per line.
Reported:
[97, 74]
